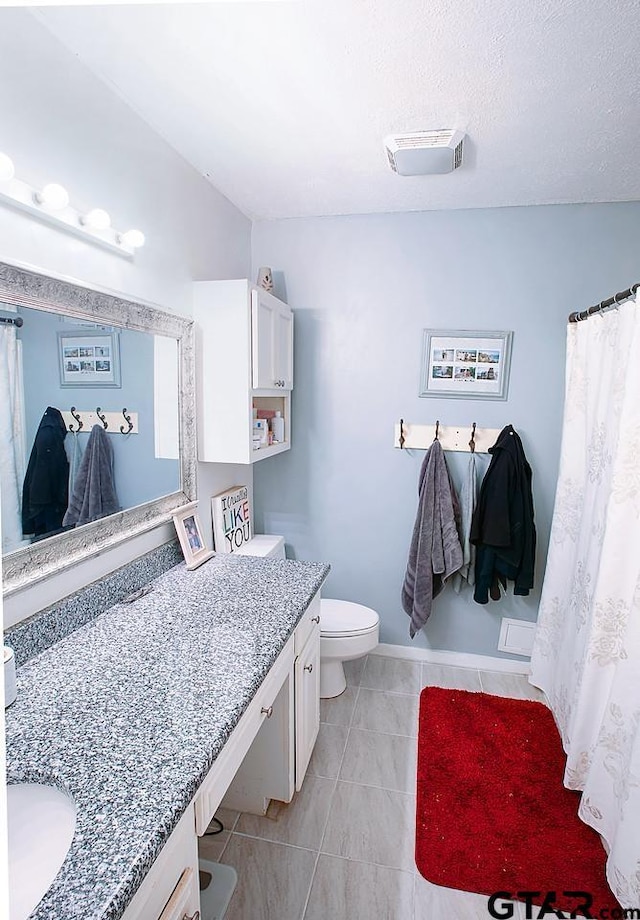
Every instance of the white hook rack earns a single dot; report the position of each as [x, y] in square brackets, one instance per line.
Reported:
[421, 437]
[89, 417]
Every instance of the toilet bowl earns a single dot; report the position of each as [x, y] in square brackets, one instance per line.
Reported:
[347, 631]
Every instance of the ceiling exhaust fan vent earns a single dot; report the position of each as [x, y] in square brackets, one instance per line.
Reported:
[425, 153]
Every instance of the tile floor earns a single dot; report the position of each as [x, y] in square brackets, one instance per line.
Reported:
[343, 849]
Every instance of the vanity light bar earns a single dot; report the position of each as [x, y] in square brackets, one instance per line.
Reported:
[51, 205]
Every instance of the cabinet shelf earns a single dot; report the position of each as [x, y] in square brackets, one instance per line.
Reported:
[269, 451]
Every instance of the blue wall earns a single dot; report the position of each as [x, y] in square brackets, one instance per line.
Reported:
[139, 476]
[363, 288]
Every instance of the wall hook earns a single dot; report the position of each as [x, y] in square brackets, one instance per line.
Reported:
[437, 429]
[401, 439]
[105, 424]
[472, 442]
[78, 420]
[127, 419]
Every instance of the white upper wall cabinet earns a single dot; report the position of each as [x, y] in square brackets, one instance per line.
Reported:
[272, 342]
[244, 362]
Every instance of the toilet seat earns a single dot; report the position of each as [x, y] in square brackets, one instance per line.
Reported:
[340, 619]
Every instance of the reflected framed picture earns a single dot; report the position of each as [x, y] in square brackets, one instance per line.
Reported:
[465, 363]
[189, 531]
[89, 359]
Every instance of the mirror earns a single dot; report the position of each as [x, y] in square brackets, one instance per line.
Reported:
[121, 364]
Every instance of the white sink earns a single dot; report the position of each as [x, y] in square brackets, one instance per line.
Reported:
[41, 821]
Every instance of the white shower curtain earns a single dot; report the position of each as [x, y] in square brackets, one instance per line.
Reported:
[12, 447]
[586, 654]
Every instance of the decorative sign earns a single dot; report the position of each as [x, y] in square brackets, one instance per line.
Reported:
[231, 519]
[465, 363]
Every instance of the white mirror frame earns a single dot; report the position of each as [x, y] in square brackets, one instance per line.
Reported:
[25, 287]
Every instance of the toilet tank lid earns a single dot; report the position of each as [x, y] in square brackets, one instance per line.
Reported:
[345, 616]
[263, 544]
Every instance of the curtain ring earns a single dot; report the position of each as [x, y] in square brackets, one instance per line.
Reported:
[617, 302]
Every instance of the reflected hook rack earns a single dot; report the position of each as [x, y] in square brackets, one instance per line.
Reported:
[83, 420]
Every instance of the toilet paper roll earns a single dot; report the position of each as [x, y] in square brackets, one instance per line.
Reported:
[10, 688]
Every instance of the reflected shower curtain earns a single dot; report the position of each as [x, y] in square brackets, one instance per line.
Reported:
[586, 654]
[12, 448]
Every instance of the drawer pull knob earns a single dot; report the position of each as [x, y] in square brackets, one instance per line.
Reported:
[267, 712]
[315, 619]
[195, 916]
[308, 667]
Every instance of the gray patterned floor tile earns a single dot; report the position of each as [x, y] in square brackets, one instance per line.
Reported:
[371, 825]
[346, 890]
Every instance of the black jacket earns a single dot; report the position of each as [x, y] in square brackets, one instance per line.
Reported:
[502, 528]
[46, 483]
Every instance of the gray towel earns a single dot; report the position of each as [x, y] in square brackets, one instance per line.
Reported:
[468, 500]
[94, 492]
[435, 551]
[74, 456]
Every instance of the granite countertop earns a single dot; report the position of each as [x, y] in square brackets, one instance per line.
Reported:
[128, 713]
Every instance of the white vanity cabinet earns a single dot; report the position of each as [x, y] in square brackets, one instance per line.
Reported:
[276, 763]
[244, 361]
[265, 757]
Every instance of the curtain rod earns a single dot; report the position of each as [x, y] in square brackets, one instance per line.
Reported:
[603, 305]
[11, 319]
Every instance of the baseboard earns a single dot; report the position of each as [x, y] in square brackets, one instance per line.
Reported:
[454, 659]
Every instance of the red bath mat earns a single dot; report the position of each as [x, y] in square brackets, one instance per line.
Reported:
[492, 812]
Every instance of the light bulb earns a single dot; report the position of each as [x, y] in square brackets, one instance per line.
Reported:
[97, 219]
[7, 170]
[53, 196]
[133, 238]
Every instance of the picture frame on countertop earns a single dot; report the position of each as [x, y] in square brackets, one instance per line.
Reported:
[194, 548]
[465, 363]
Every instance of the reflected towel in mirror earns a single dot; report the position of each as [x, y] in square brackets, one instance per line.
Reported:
[94, 492]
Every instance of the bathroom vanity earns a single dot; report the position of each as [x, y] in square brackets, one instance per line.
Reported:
[147, 713]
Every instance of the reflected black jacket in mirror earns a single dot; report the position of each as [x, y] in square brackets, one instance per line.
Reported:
[46, 484]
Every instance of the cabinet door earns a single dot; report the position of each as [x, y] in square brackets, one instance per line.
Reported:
[307, 702]
[283, 343]
[271, 343]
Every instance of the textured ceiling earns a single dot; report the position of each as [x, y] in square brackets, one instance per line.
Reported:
[284, 105]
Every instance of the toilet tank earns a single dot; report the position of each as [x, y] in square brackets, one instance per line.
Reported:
[263, 544]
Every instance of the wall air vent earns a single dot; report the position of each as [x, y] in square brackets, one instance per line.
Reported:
[425, 153]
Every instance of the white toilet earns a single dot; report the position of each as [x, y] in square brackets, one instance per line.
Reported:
[347, 630]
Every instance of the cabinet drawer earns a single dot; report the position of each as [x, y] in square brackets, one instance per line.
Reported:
[217, 781]
[175, 872]
[184, 903]
[309, 622]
